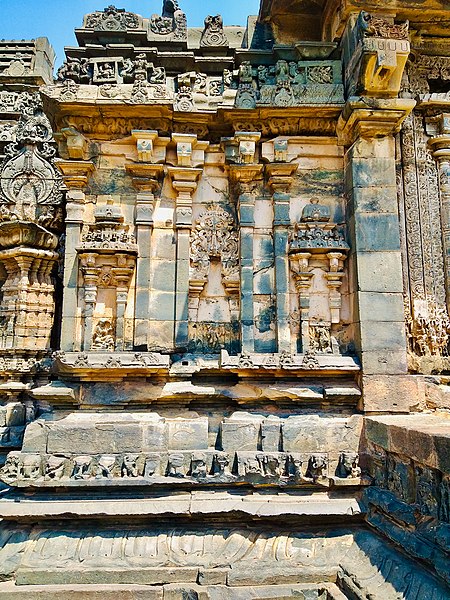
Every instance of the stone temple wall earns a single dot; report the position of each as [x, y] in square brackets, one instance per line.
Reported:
[224, 330]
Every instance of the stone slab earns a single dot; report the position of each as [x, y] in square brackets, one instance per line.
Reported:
[188, 434]
[392, 393]
[9, 591]
[423, 438]
[97, 576]
[183, 503]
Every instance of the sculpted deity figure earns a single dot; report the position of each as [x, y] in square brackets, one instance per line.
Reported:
[129, 465]
[316, 467]
[348, 465]
[103, 338]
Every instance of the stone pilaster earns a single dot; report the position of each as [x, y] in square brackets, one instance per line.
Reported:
[246, 175]
[146, 178]
[440, 145]
[190, 154]
[184, 181]
[76, 175]
[280, 180]
[375, 259]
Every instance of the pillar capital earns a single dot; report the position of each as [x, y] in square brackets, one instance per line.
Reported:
[280, 176]
[190, 152]
[184, 182]
[372, 118]
[151, 148]
[440, 143]
[76, 173]
[145, 177]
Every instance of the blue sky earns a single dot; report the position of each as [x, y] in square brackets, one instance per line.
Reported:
[56, 19]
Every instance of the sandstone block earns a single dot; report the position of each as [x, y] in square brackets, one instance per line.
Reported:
[188, 434]
[376, 232]
[155, 436]
[379, 272]
[384, 362]
[240, 432]
[313, 433]
[392, 393]
[15, 414]
[213, 576]
[35, 437]
[270, 435]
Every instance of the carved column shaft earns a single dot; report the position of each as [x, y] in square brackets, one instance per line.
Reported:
[185, 184]
[280, 180]
[303, 279]
[441, 147]
[146, 179]
[90, 274]
[76, 175]
[246, 208]
[144, 227]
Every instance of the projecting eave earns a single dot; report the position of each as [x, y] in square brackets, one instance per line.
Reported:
[302, 20]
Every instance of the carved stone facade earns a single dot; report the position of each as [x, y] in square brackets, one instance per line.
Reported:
[224, 288]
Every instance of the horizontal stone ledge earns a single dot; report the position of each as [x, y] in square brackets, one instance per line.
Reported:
[251, 390]
[117, 366]
[424, 438]
[10, 591]
[86, 575]
[239, 576]
[184, 504]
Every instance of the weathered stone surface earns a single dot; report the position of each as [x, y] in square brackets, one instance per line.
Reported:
[423, 438]
[241, 432]
[315, 433]
[188, 434]
[393, 393]
[221, 278]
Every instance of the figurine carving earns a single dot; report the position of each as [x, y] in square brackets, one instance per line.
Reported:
[82, 467]
[317, 465]
[198, 465]
[172, 21]
[320, 338]
[348, 466]
[213, 34]
[221, 465]
[130, 465]
[176, 466]
[103, 338]
[55, 467]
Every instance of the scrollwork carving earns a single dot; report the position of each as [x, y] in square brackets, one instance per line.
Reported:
[112, 19]
[287, 84]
